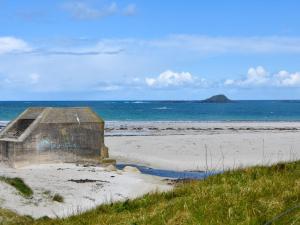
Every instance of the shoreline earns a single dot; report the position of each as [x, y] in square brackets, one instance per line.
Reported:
[204, 146]
[5, 122]
[184, 128]
[159, 128]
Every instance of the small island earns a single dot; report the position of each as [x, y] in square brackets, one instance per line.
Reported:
[217, 99]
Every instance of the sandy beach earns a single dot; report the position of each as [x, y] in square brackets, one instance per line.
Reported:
[177, 146]
[203, 145]
[82, 188]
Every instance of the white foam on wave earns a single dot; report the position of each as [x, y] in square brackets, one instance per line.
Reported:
[135, 102]
[3, 123]
[162, 108]
[139, 102]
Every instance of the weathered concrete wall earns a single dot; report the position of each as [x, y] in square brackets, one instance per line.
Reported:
[53, 135]
[7, 151]
[61, 143]
[3, 152]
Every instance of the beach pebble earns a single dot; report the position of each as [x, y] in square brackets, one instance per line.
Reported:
[110, 168]
[131, 169]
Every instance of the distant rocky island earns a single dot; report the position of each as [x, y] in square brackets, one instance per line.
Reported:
[217, 99]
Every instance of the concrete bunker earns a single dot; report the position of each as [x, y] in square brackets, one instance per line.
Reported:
[40, 135]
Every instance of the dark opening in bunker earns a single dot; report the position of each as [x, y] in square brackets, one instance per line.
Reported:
[19, 127]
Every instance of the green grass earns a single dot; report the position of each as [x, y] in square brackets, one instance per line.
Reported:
[58, 198]
[250, 196]
[9, 218]
[18, 184]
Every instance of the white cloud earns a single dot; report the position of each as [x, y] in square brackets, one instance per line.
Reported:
[176, 44]
[284, 78]
[256, 76]
[82, 11]
[229, 82]
[124, 64]
[170, 78]
[129, 10]
[12, 44]
[259, 76]
[110, 9]
[210, 44]
[15, 81]
[34, 78]
[121, 84]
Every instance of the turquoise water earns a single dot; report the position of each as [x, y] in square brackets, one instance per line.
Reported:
[171, 110]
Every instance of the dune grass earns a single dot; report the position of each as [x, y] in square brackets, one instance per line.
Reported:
[254, 195]
[58, 198]
[18, 184]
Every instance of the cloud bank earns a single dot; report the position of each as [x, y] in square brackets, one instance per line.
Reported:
[260, 77]
[209, 44]
[203, 45]
[170, 78]
[121, 66]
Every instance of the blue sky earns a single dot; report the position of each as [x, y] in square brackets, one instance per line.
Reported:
[115, 50]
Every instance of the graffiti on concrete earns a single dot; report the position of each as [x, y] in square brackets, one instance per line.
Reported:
[47, 144]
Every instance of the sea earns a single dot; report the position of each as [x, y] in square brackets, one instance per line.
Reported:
[285, 110]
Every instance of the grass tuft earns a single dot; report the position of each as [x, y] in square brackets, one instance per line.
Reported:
[58, 198]
[18, 184]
